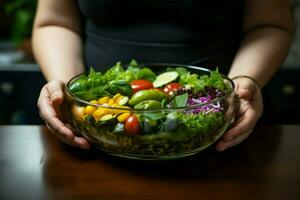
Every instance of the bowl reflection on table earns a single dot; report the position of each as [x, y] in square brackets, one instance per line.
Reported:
[177, 138]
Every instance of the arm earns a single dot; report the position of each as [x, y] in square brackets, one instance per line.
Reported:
[268, 30]
[58, 50]
[56, 39]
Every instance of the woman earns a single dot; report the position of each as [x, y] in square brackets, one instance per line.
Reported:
[247, 39]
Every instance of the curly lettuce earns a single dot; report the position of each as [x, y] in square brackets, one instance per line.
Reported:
[204, 123]
[214, 79]
[97, 84]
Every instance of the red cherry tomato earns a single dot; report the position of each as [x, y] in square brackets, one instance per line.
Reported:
[171, 87]
[138, 85]
[132, 125]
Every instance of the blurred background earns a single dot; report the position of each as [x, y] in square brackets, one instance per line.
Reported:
[21, 80]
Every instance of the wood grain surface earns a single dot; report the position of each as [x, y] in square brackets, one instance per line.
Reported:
[34, 164]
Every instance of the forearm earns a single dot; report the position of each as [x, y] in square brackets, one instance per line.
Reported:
[58, 51]
[261, 53]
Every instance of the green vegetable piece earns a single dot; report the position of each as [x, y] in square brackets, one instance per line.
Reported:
[154, 115]
[180, 100]
[119, 128]
[119, 86]
[106, 117]
[78, 85]
[114, 72]
[216, 80]
[164, 103]
[181, 71]
[131, 72]
[148, 104]
[171, 123]
[85, 95]
[144, 95]
[146, 74]
[123, 101]
[186, 77]
[197, 82]
[90, 119]
[165, 78]
[133, 63]
[95, 79]
[201, 123]
[148, 125]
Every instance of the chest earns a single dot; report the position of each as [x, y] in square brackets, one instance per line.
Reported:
[172, 10]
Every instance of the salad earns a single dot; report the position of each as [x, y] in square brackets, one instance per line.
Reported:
[134, 110]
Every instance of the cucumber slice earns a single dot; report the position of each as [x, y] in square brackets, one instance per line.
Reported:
[106, 117]
[148, 104]
[165, 78]
[123, 101]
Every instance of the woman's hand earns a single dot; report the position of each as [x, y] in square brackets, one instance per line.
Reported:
[250, 109]
[49, 104]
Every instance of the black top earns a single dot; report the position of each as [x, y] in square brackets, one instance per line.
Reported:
[199, 32]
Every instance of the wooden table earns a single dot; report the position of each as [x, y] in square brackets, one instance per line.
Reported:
[36, 165]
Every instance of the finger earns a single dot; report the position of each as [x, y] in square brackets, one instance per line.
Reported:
[59, 136]
[245, 123]
[51, 96]
[68, 125]
[241, 130]
[49, 114]
[61, 129]
[76, 142]
[49, 128]
[73, 141]
[223, 145]
[82, 142]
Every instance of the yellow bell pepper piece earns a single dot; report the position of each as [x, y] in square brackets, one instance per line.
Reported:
[89, 110]
[103, 100]
[99, 113]
[119, 98]
[94, 102]
[116, 96]
[123, 117]
[111, 102]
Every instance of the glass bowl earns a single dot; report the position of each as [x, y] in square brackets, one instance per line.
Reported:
[183, 133]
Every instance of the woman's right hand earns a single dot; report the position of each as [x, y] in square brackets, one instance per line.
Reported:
[49, 104]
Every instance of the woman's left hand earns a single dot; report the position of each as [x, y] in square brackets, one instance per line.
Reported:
[250, 109]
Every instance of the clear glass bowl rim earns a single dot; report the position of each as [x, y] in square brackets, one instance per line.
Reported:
[155, 109]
